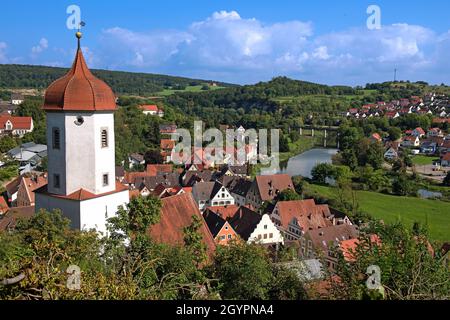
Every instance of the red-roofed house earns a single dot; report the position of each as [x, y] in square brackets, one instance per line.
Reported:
[418, 132]
[152, 109]
[17, 126]
[392, 114]
[349, 247]
[445, 160]
[375, 137]
[294, 218]
[266, 188]
[167, 145]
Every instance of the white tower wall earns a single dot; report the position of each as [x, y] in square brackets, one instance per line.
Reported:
[81, 161]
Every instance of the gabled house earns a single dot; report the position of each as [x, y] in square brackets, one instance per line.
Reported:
[208, 194]
[392, 114]
[135, 159]
[239, 191]
[266, 188]
[17, 126]
[167, 145]
[445, 160]
[220, 228]
[391, 154]
[249, 225]
[152, 109]
[418, 132]
[29, 183]
[167, 129]
[410, 141]
[17, 99]
[191, 177]
[323, 242]
[434, 132]
[294, 218]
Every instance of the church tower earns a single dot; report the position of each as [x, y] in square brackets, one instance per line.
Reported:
[81, 152]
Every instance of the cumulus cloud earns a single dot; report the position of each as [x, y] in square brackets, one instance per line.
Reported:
[43, 45]
[242, 50]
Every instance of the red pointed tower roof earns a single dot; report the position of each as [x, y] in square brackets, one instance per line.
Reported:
[79, 90]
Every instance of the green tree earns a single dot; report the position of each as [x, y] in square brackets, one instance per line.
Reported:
[193, 240]
[446, 181]
[244, 271]
[7, 143]
[321, 172]
[288, 195]
[409, 270]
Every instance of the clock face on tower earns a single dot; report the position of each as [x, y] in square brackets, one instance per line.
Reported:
[79, 121]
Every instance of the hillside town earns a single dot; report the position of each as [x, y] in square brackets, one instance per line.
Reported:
[209, 205]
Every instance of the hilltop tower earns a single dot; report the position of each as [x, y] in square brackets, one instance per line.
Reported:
[81, 152]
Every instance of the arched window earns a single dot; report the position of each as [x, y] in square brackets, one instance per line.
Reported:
[56, 138]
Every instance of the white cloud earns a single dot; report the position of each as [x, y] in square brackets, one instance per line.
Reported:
[243, 50]
[43, 45]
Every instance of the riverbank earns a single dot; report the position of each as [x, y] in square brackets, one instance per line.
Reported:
[303, 144]
[434, 213]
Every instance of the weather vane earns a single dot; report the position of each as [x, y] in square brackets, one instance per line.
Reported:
[80, 25]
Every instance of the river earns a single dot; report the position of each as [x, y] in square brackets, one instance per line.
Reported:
[303, 163]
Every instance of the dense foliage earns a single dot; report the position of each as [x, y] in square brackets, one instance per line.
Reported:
[141, 84]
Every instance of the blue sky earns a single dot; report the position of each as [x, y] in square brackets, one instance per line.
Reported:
[238, 41]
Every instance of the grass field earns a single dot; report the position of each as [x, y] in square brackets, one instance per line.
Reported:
[168, 92]
[420, 160]
[406, 209]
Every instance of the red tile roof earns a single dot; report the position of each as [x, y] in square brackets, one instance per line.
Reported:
[79, 90]
[167, 144]
[82, 194]
[153, 169]
[269, 185]
[17, 122]
[10, 219]
[149, 107]
[309, 215]
[176, 214]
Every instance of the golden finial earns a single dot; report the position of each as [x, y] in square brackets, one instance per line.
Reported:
[79, 34]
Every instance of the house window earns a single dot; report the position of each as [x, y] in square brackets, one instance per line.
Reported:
[56, 138]
[265, 226]
[104, 135]
[265, 235]
[229, 236]
[105, 179]
[222, 237]
[271, 235]
[56, 182]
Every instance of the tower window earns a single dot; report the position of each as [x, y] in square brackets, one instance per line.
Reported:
[56, 182]
[104, 134]
[56, 138]
[105, 179]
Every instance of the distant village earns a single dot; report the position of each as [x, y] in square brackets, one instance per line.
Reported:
[432, 141]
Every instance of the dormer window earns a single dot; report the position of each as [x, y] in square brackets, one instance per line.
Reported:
[56, 138]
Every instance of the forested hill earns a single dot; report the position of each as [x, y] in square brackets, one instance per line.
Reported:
[129, 83]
